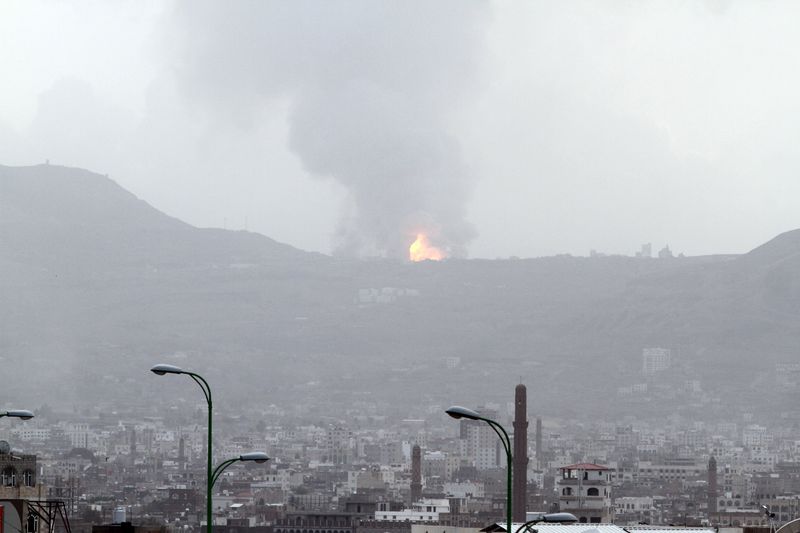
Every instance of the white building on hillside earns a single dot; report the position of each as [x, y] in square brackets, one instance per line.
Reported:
[426, 510]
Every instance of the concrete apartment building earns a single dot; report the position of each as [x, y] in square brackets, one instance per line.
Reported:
[585, 491]
[425, 510]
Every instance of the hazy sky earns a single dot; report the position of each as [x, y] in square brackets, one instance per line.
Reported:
[509, 128]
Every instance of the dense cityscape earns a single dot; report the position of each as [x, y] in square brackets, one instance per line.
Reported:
[399, 266]
[371, 474]
[332, 392]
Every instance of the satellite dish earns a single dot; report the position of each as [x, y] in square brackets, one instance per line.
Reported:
[5, 448]
[790, 527]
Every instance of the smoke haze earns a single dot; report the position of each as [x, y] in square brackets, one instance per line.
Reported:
[509, 128]
[370, 89]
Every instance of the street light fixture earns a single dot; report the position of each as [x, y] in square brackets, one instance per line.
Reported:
[211, 475]
[17, 413]
[459, 412]
[549, 518]
[163, 369]
[167, 369]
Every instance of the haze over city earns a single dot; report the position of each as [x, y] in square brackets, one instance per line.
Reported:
[360, 266]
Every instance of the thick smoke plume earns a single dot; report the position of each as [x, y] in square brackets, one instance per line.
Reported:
[370, 87]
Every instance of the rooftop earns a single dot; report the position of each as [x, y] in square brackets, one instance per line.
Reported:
[543, 527]
[584, 466]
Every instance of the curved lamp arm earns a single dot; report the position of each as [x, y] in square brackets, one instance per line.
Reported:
[553, 518]
[203, 385]
[256, 457]
[219, 469]
[527, 526]
[501, 432]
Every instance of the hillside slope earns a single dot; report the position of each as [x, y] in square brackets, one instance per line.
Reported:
[97, 285]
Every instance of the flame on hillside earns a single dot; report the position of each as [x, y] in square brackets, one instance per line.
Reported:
[422, 249]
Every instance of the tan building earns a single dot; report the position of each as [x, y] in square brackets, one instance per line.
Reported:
[18, 475]
[585, 491]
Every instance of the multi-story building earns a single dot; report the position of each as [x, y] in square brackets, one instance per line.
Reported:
[339, 445]
[756, 435]
[317, 522]
[482, 444]
[672, 469]
[78, 434]
[32, 433]
[585, 491]
[785, 508]
[466, 489]
[426, 510]
[655, 360]
[17, 474]
[634, 509]
[440, 464]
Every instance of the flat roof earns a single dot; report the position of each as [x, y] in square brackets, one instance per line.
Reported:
[544, 527]
[584, 466]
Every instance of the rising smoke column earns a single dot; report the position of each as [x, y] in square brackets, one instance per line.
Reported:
[372, 87]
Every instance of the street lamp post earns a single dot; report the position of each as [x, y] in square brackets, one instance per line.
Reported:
[552, 517]
[462, 412]
[163, 369]
[24, 414]
[211, 475]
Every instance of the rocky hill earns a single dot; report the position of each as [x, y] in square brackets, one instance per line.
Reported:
[97, 285]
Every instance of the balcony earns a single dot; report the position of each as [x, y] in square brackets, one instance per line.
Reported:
[572, 481]
[587, 502]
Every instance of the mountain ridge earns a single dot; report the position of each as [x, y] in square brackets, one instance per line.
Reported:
[56, 205]
[117, 292]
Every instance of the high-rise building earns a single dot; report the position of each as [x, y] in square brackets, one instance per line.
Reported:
[339, 444]
[482, 445]
[655, 360]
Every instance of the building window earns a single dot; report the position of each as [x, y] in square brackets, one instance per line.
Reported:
[593, 491]
[9, 477]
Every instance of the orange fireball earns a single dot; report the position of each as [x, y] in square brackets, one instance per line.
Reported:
[422, 249]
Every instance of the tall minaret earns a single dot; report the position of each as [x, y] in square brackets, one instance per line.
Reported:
[520, 473]
[132, 441]
[538, 443]
[712, 487]
[182, 454]
[416, 474]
